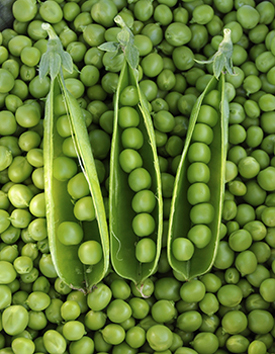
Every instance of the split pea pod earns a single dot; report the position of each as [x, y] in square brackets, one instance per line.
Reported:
[78, 242]
[135, 219]
[196, 209]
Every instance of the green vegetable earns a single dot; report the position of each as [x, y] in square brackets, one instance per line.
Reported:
[59, 208]
[192, 250]
[133, 151]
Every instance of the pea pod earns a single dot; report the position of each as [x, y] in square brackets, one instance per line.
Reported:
[181, 221]
[123, 239]
[59, 206]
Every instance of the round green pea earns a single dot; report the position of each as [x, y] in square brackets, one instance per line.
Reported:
[70, 233]
[143, 224]
[90, 252]
[182, 249]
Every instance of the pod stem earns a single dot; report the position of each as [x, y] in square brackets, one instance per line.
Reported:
[55, 58]
[124, 45]
[222, 59]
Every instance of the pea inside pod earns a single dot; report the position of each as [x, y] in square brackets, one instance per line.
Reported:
[135, 219]
[78, 234]
[195, 217]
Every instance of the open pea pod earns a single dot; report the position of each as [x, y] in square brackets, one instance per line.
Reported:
[59, 206]
[180, 222]
[123, 240]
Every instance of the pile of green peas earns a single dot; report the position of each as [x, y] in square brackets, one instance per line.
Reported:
[228, 310]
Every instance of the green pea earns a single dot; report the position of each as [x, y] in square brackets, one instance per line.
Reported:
[129, 96]
[266, 289]
[20, 195]
[132, 138]
[84, 209]
[198, 193]
[237, 188]
[73, 330]
[231, 276]
[164, 121]
[143, 224]
[200, 235]
[182, 249]
[198, 172]
[209, 304]
[10, 235]
[177, 34]
[192, 291]
[212, 282]
[7, 81]
[204, 339]
[261, 273]
[257, 229]
[230, 295]
[118, 311]
[225, 256]
[99, 298]
[78, 186]
[199, 152]
[256, 346]
[53, 312]
[129, 160]
[139, 179]
[234, 322]
[37, 321]
[183, 58]
[159, 337]
[145, 250]
[143, 43]
[185, 103]
[245, 214]
[6, 158]
[61, 287]
[35, 157]
[255, 195]
[54, 342]
[46, 266]
[144, 201]
[23, 264]
[140, 307]
[100, 344]
[69, 233]
[260, 321]
[152, 64]
[135, 337]
[203, 133]
[6, 296]
[237, 342]
[240, 240]
[128, 117]
[246, 262]
[266, 177]
[90, 252]
[85, 345]
[19, 170]
[113, 334]
[189, 321]
[15, 319]
[202, 213]
[100, 142]
[38, 301]
[267, 217]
